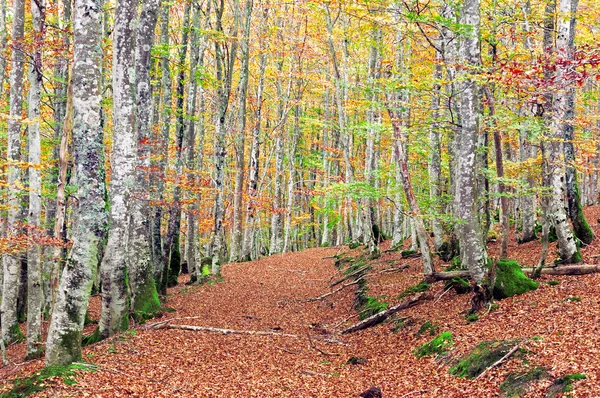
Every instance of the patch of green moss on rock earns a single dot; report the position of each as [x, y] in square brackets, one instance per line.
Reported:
[564, 384]
[516, 384]
[418, 288]
[437, 346]
[510, 280]
[481, 357]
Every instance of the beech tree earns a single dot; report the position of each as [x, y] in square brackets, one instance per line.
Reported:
[63, 345]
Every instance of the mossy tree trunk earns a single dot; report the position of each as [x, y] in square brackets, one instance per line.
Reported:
[89, 220]
[144, 297]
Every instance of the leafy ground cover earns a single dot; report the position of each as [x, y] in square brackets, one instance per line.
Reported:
[561, 336]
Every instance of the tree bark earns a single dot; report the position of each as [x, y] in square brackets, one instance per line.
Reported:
[64, 336]
[473, 250]
[11, 263]
[35, 296]
[115, 290]
[144, 296]
[569, 253]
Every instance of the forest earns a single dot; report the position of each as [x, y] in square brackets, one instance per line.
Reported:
[300, 198]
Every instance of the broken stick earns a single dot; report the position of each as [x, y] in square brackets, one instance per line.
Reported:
[383, 315]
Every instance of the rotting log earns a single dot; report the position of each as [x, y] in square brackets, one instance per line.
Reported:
[383, 315]
[581, 269]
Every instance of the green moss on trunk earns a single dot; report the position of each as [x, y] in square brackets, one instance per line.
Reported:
[581, 228]
[147, 303]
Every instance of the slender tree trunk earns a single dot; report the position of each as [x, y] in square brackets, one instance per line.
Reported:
[115, 290]
[161, 273]
[224, 75]
[196, 63]
[500, 173]
[374, 121]
[253, 173]
[64, 336]
[237, 233]
[172, 250]
[393, 104]
[35, 295]
[11, 263]
[435, 162]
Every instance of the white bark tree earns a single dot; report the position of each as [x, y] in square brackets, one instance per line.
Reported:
[115, 292]
[89, 219]
[35, 297]
[568, 251]
[11, 262]
[473, 250]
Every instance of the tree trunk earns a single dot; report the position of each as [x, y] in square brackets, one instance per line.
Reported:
[64, 335]
[115, 290]
[435, 162]
[248, 244]
[144, 297]
[238, 228]
[11, 262]
[569, 253]
[163, 153]
[473, 250]
[172, 249]
[34, 277]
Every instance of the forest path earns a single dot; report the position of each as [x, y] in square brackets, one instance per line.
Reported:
[270, 295]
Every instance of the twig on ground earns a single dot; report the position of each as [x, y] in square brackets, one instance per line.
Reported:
[312, 345]
[321, 297]
[442, 295]
[504, 358]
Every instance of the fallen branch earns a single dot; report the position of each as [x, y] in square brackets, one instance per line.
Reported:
[321, 297]
[223, 331]
[383, 315]
[504, 358]
[582, 269]
[312, 345]
[357, 272]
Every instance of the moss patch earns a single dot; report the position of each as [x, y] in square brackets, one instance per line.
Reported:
[427, 326]
[409, 253]
[437, 346]
[147, 303]
[45, 378]
[516, 384]
[482, 357]
[510, 280]
[418, 288]
[564, 384]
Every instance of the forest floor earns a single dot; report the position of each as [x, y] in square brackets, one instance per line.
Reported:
[561, 322]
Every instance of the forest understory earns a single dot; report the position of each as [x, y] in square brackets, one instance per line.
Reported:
[303, 354]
